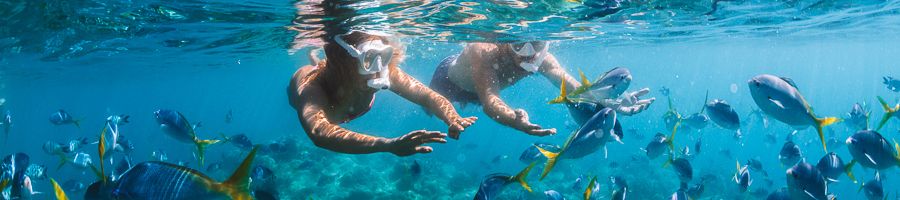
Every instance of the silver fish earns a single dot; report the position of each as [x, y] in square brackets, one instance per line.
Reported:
[779, 97]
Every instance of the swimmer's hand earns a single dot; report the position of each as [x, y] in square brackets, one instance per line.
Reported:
[630, 103]
[525, 125]
[412, 142]
[459, 125]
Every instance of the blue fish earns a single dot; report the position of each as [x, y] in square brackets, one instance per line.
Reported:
[532, 153]
[697, 121]
[857, 118]
[592, 192]
[493, 184]
[609, 85]
[742, 177]
[592, 136]
[158, 180]
[779, 97]
[892, 83]
[682, 167]
[62, 117]
[871, 150]
[724, 115]
[553, 195]
[888, 112]
[873, 188]
[806, 182]
[832, 167]
[176, 126]
[790, 154]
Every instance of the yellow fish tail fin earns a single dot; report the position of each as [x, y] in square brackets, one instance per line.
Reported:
[562, 95]
[101, 149]
[584, 80]
[201, 147]
[822, 123]
[849, 170]
[888, 112]
[238, 185]
[524, 174]
[551, 160]
[669, 161]
[671, 140]
[60, 193]
[588, 192]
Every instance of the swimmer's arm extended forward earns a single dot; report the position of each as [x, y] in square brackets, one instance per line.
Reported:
[411, 89]
[555, 73]
[489, 95]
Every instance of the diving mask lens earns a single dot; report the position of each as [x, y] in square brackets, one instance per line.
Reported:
[376, 60]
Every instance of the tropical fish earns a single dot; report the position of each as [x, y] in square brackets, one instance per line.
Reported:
[58, 191]
[892, 83]
[871, 150]
[698, 120]
[724, 115]
[609, 85]
[682, 167]
[553, 195]
[619, 187]
[158, 180]
[532, 154]
[592, 136]
[888, 112]
[658, 144]
[681, 194]
[240, 141]
[790, 154]
[742, 177]
[62, 117]
[176, 126]
[36, 172]
[592, 192]
[779, 97]
[858, 117]
[493, 184]
[832, 167]
[873, 188]
[804, 181]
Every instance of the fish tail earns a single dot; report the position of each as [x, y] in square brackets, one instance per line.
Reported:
[562, 95]
[821, 123]
[60, 193]
[896, 149]
[551, 161]
[62, 161]
[588, 192]
[77, 123]
[585, 84]
[888, 112]
[101, 150]
[201, 147]
[520, 177]
[671, 140]
[238, 185]
[98, 173]
[849, 170]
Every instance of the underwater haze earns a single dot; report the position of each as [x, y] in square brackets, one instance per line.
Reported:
[227, 65]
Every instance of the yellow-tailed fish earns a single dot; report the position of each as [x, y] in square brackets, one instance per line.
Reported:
[60, 193]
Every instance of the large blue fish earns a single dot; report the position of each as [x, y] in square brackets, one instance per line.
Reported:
[493, 184]
[592, 136]
[582, 110]
[609, 85]
[790, 154]
[871, 150]
[532, 153]
[779, 97]
[62, 117]
[832, 167]
[159, 180]
[176, 126]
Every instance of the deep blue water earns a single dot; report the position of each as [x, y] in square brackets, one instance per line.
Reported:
[836, 52]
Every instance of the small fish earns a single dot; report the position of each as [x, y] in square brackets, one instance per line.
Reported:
[698, 120]
[871, 150]
[742, 177]
[873, 188]
[681, 194]
[619, 187]
[592, 192]
[498, 158]
[789, 154]
[664, 91]
[756, 165]
[262, 175]
[229, 116]
[80, 160]
[724, 115]
[682, 167]
[240, 141]
[578, 182]
[415, 169]
[888, 112]
[695, 191]
[609, 85]
[36, 172]
[832, 167]
[176, 126]
[857, 118]
[657, 145]
[493, 184]
[759, 115]
[892, 83]
[54, 148]
[553, 195]
[159, 155]
[58, 191]
[592, 136]
[779, 194]
[62, 117]
[158, 180]
[532, 154]
[698, 144]
[779, 97]
[123, 165]
[805, 181]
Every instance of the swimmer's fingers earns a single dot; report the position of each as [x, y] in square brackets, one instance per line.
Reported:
[423, 134]
[424, 149]
[641, 92]
[542, 132]
[468, 121]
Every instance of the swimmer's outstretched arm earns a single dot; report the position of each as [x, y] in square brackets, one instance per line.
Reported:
[555, 73]
[411, 89]
[488, 93]
[309, 102]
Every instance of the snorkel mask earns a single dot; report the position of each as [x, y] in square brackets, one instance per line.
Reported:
[374, 58]
[538, 49]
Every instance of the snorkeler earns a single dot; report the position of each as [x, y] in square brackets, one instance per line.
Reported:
[342, 87]
[483, 69]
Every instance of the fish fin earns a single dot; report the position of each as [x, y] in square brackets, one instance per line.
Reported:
[705, 99]
[777, 103]
[562, 95]
[888, 112]
[101, 150]
[616, 137]
[62, 160]
[238, 185]
[671, 140]
[584, 80]
[588, 192]
[60, 193]
[77, 123]
[849, 170]
[551, 161]
[870, 158]
[520, 177]
[896, 149]
[737, 165]
[821, 123]
[669, 161]
[201, 147]
[4, 183]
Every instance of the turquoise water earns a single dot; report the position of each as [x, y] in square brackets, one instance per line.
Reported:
[97, 58]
